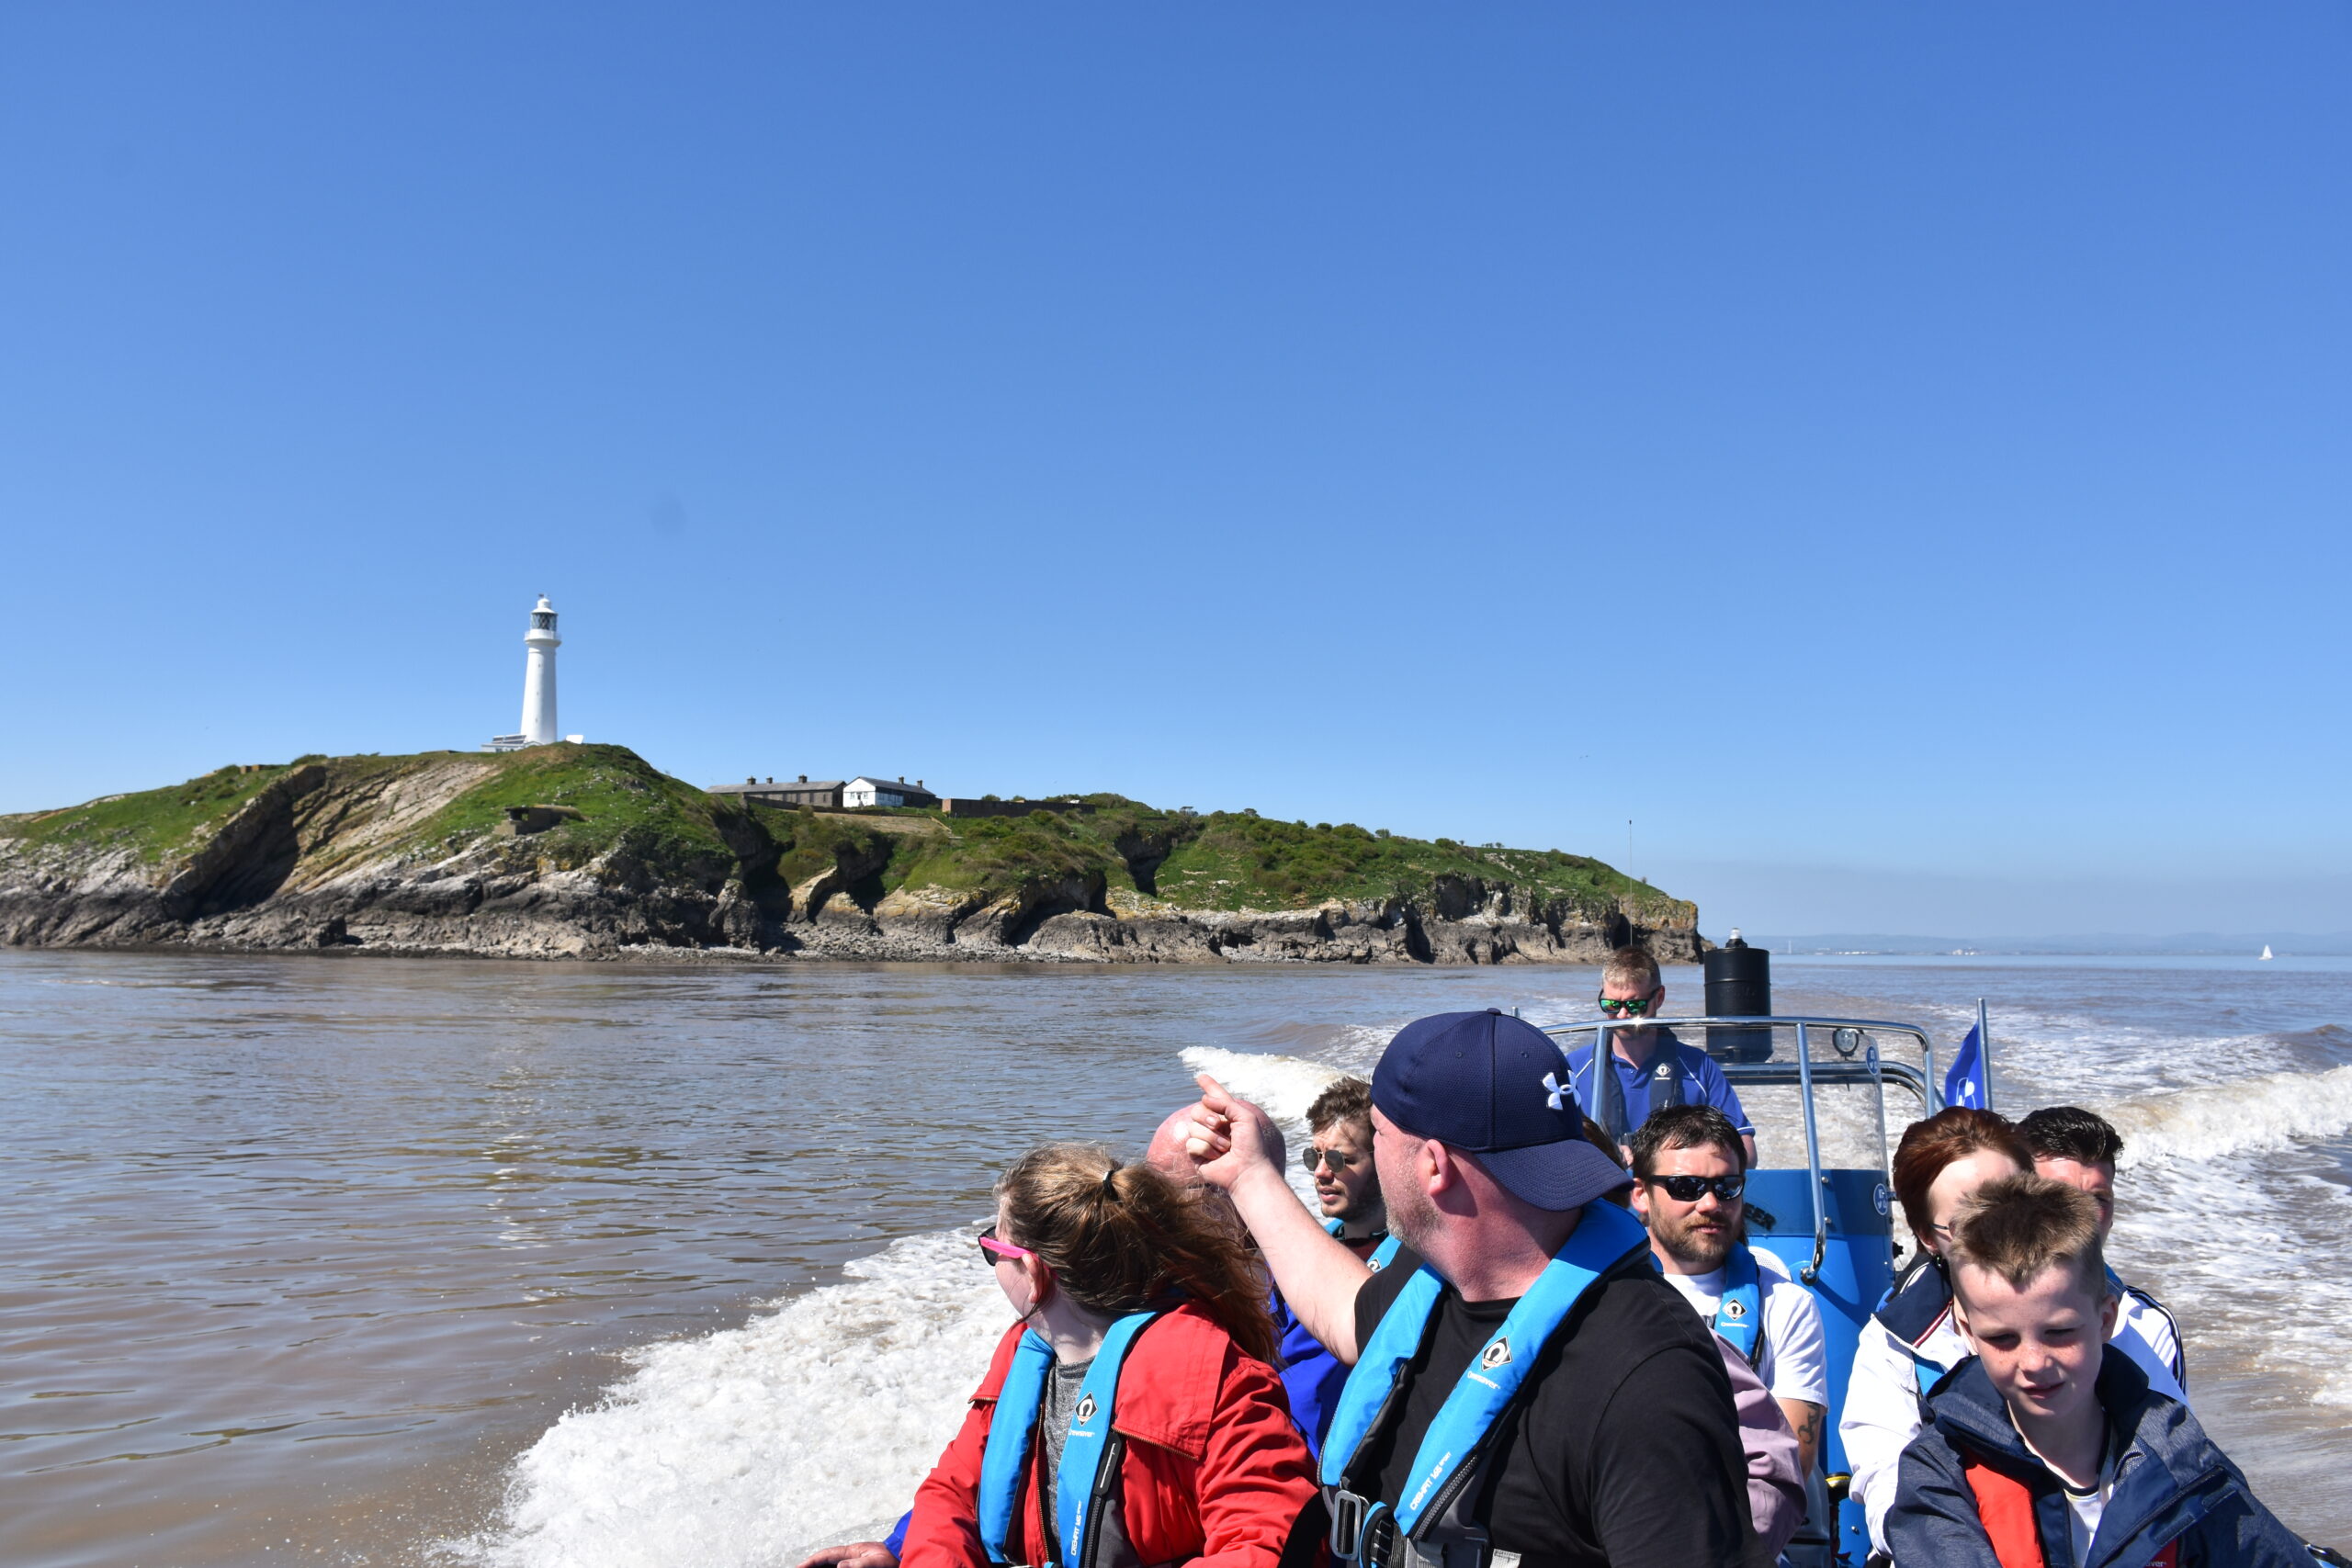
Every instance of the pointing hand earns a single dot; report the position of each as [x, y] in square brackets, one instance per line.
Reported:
[1230, 1137]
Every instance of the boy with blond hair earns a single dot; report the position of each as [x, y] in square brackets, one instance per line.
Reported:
[2047, 1449]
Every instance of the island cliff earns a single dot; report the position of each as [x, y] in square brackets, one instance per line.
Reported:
[587, 852]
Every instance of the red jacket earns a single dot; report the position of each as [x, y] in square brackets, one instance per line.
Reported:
[1214, 1475]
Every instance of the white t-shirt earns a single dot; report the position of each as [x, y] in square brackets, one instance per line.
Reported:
[1794, 1362]
[2084, 1508]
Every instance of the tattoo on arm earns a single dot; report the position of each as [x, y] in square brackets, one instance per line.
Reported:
[1807, 1419]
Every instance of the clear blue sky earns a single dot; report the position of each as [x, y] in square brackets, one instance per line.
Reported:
[1897, 456]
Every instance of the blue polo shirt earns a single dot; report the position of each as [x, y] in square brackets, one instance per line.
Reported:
[1702, 1083]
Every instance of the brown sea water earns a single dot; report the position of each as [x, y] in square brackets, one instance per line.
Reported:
[386, 1261]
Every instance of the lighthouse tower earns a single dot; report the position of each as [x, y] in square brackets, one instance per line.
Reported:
[538, 676]
[539, 685]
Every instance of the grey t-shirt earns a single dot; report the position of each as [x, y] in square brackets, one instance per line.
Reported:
[1053, 1428]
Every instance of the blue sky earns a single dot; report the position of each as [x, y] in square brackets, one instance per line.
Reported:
[1897, 456]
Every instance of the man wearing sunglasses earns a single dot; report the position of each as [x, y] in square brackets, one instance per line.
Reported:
[1338, 1161]
[1689, 1185]
[1649, 1069]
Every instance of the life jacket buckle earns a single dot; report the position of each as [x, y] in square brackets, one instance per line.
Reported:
[1350, 1514]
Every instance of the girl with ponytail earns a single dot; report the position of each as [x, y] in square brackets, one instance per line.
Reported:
[1130, 1416]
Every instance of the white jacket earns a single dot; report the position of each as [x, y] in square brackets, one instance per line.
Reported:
[1911, 1342]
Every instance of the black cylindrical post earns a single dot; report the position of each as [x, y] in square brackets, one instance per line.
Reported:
[1739, 985]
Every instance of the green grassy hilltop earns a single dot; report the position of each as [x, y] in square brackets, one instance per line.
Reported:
[635, 821]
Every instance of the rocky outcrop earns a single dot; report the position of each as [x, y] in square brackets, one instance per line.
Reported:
[355, 855]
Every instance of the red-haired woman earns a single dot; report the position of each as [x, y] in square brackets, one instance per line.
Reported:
[1911, 1341]
[1130, 1415]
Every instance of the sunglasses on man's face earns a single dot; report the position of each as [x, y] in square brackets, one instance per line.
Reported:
[1628, 1007]
[1691, 1189]
[1315, 1159]
[993, 1252]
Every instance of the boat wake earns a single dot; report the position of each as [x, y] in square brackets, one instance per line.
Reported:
[2267, 1112]
[744, 1447]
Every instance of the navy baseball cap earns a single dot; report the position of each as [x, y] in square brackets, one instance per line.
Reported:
[1495, 1086]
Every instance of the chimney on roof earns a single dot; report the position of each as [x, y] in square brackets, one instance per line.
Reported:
[771, 778]
[804, 778]
[748, 778]
[902, 778]
[918, 784]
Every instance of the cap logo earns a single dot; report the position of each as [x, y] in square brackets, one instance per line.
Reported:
[1560, 1092]
[1494, 1355]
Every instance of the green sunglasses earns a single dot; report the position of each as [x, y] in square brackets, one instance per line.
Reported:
[1627, 1007]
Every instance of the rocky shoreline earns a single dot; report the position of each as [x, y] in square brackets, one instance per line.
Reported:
[349, 856]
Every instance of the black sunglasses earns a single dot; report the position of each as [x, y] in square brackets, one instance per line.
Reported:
[1691, 1189]
[1316, 1160]
[1629, 1007]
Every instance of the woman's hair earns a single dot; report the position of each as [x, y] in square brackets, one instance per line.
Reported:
[1952, 1134]
[1122, 1238]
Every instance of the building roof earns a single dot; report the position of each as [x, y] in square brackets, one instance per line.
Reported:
[772, 786]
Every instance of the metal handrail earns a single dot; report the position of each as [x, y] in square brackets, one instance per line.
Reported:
[1904, 1073]
[1875, 1070]
[1811, 1158]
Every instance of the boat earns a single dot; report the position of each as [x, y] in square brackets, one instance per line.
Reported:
[2265, 949]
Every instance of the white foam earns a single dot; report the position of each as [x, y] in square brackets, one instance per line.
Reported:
[1283, 1087]
[2270, 1111]
[740, 1449]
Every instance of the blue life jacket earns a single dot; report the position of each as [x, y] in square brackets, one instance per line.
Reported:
[1433, 1519]
[1739, 1316]
[1089, 1472]
[1382, 1256]
[1608, 1099]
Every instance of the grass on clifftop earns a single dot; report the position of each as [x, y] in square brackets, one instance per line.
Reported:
[619, 795]
[153, 823]
[1239, 861]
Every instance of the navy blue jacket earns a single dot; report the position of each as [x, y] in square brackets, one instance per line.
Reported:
[2171, 1483]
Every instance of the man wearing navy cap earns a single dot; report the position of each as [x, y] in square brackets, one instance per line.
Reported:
[1527, 1392]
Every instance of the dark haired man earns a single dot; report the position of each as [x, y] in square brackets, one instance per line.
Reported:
[1690, 1181]
[1649, 1068]
[2079, 1147]
[1526, 1388]
[1347, 1192]
[1338, 1161]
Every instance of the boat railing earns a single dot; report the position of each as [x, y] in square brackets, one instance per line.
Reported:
[1859, 1064]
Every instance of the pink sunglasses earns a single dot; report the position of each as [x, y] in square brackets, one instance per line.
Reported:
[992, 1250]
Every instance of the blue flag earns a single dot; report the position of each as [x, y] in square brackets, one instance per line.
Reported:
[1965, 1083]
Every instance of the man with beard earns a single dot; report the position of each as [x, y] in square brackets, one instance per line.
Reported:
[1526, 1389]
[1690, 1174]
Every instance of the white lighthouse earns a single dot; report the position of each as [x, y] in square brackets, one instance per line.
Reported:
[539, 683]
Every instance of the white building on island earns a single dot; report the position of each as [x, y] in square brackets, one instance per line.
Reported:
[539, 685]
[864, 791]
